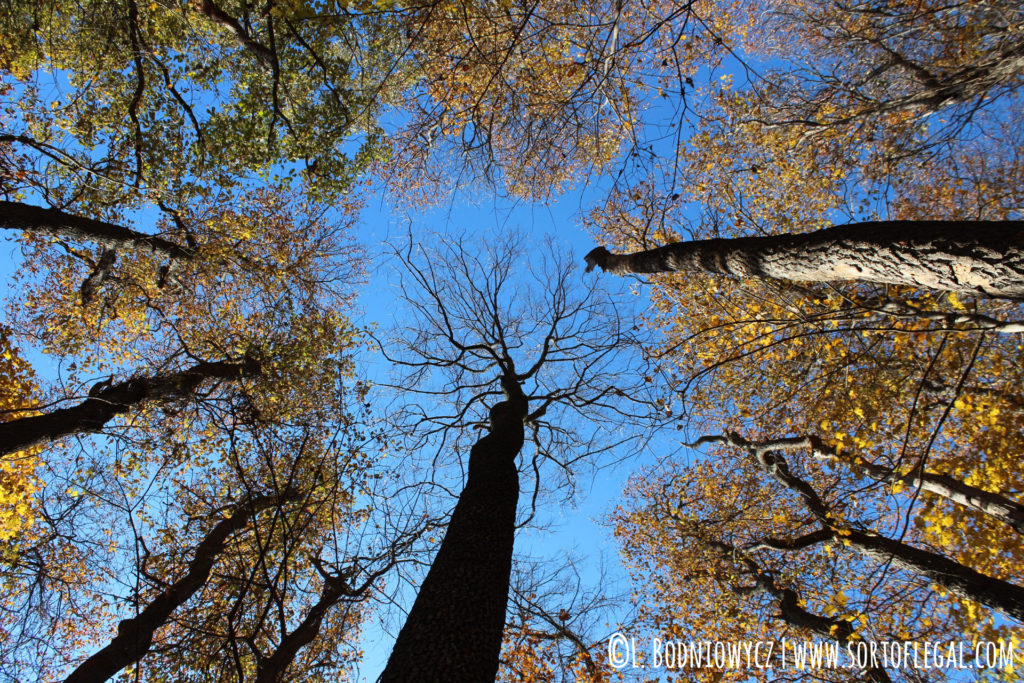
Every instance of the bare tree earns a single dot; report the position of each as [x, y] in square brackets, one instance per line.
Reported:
[557, 359]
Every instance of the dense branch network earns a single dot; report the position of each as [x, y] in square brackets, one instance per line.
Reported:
[480, 336]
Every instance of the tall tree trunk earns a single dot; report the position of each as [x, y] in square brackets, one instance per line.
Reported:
[107, 400]
[135, 635]
[454, 630]
[56, 223]
[980, 257]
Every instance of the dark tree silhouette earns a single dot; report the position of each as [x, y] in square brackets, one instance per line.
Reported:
[55, 223]
[473, 565]
[471, 327]
[107, 400]
[135, 634]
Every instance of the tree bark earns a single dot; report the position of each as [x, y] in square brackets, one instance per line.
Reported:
[986, 502]
[939, 88]
[958, 579]
[454, 630]
[214, 13]
[978, 257]
[791, 608]
[955, 577]
[272, 669]
[107, 400]
[56, 223]
[135, 635]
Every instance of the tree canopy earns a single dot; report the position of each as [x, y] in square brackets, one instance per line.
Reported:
[799, 342]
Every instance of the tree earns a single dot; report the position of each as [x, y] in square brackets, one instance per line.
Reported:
[107, 400]
[441, 638]
[261, 303]
[469, 322]
[59, 224]
[196, 583]
[889, 66]
[527, 98]
[302, 82]
[981, 258]
[558, 626]
[738, 530]
[894, 114]
[261, 282]
[958, 579]
[18, 481]
[135, 635]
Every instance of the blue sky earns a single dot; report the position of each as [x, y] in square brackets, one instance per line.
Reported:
[576, 524]
[576, 527]
[572, 528]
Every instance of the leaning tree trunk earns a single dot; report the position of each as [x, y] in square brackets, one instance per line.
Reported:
[957, 578]
[986, 502]
[135, 634]
[980, 257]
[454, 630]
[56, 223]
[273, 668]
[791, 608]
[107, 400]
[112, 237]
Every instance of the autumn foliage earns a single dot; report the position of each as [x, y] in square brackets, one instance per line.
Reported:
[191, 459]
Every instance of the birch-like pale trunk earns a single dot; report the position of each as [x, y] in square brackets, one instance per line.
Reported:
[986, 502]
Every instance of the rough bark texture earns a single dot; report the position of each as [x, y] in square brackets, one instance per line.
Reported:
[107, 400]
[135, 635]
[958, 579]
[962, 85]
[454, 630]
[209, 9]
[980, 257]
[56, 223]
